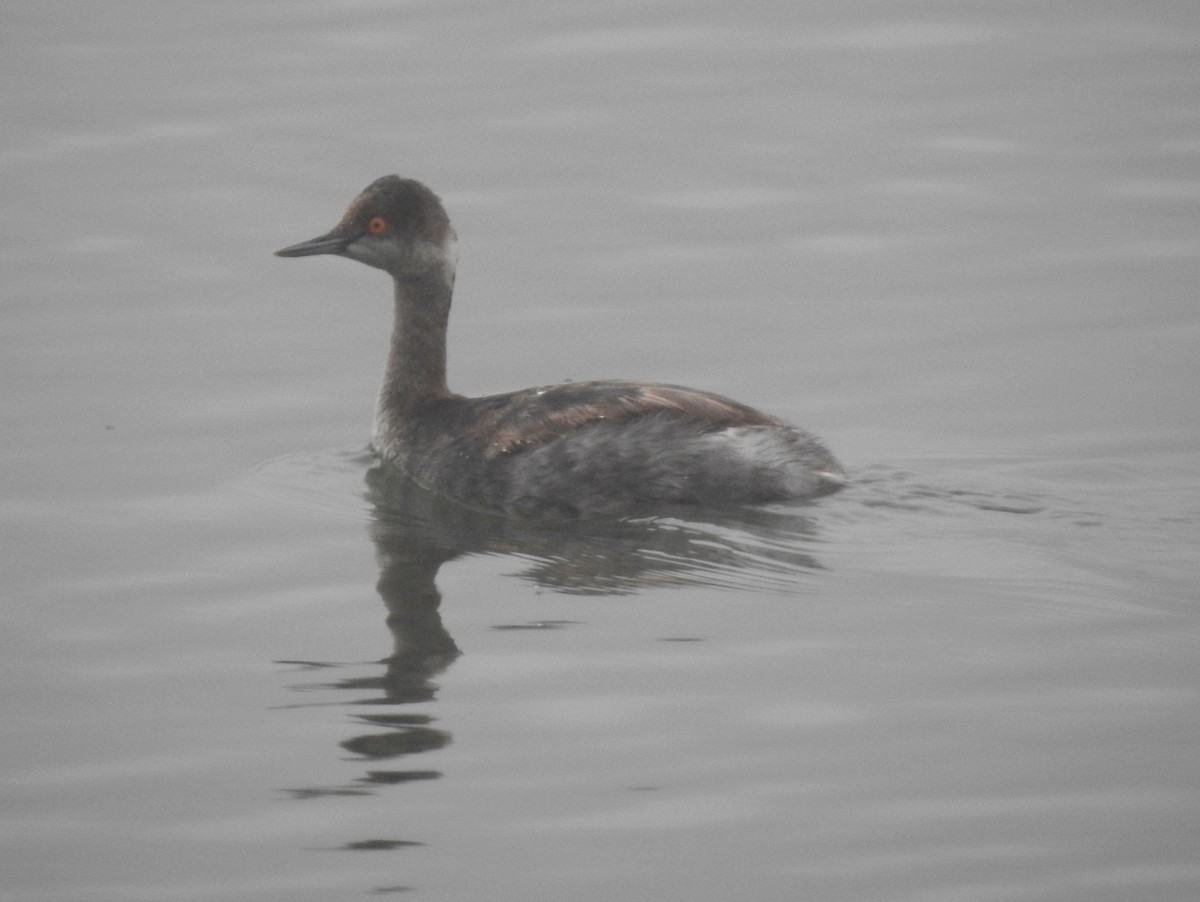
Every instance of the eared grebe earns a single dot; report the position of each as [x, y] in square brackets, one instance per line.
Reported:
[562, 450]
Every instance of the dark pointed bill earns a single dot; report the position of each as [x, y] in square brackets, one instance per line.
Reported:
[326, 244]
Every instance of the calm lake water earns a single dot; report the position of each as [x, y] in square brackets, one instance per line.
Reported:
[958, 241]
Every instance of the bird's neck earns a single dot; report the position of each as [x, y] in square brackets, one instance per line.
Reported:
[416, 364]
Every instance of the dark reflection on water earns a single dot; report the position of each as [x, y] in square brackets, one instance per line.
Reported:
[416, 532]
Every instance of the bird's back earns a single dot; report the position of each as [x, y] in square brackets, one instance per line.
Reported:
[578, 449]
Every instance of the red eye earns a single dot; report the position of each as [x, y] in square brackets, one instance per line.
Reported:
[377, 225]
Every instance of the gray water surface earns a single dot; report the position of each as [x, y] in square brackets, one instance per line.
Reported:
[960, 243]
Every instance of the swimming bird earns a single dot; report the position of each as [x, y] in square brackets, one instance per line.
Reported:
[559, 451]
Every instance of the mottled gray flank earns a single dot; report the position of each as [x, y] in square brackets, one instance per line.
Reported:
[615, 467]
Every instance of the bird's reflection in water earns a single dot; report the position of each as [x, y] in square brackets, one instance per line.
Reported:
[416, 532]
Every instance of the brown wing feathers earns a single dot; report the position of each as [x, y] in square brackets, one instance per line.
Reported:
[529, 418]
